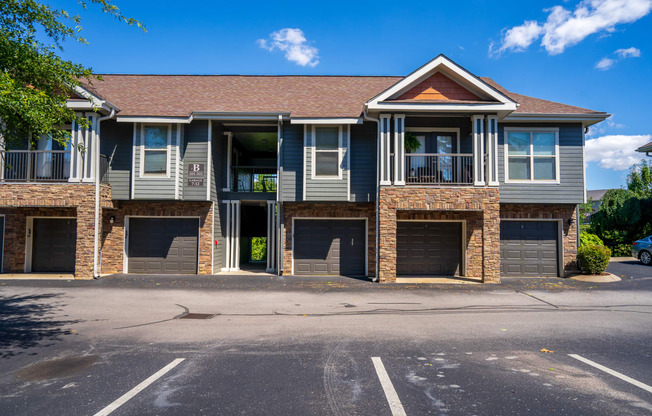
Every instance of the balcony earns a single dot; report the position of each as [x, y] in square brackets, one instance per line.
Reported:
[253, 179]
[455, 169]
[48, 166]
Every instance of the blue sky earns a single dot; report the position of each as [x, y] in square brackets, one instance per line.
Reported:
[595, 54]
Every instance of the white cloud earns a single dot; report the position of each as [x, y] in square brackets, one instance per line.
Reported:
[295, 45]
[564, 28]
[604, 64]
[628, 53]
[617, 152]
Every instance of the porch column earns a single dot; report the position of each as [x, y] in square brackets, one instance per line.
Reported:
[492, 150]
[478, 150]
[399, 149]
[384, 149]
[235, 234]
[271, 236]
[90, 142]
[76, 163]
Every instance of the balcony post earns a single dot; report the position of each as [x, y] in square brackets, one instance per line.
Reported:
[75, 155]
[399, 149]
[492, 150]
[384, 147]
[478, 150]
[90, 158]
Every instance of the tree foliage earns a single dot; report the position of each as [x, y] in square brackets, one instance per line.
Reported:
[625, 215]
[35, 82]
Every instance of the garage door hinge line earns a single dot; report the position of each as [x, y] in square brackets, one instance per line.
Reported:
[142, 386]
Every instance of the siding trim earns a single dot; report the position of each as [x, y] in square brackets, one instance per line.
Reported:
[133, 163]
[348, 163]
[178, 162]
[305, 161]
[209, 168]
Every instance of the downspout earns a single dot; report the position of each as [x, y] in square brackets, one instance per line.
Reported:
[366, 117]
[96, 250]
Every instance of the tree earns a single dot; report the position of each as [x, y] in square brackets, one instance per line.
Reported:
[35, 82]
[639, 179]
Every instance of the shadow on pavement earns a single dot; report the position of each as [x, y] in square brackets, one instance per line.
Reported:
[26, 322]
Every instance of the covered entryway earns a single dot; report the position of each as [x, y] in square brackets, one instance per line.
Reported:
[329, 247]
[529, 248]
[54, 243]
[429, 248]
[162, 245]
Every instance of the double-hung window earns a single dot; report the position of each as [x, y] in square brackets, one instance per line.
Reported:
[532, 155]
[155, 150]
[327, 152]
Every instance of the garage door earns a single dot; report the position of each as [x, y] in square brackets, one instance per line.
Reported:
[54, 244]
[529, 248]
[428, 248]
[330, 247]
[163, 245]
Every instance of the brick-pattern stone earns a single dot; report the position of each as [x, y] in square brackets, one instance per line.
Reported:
[562, 212]
[326, 210]
[479, 207]
[114, 234]
[21, 200]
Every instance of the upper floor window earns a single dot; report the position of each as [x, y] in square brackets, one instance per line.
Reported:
[532, 155]
[155, 150]
[327, 152]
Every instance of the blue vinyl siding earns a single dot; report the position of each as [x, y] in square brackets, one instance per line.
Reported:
[292, 163]
[154, 188]
[363, 162]
[116, 143]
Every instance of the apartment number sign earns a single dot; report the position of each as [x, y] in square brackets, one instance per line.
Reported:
[196, 174]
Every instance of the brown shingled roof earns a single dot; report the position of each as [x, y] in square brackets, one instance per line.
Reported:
[301, 96]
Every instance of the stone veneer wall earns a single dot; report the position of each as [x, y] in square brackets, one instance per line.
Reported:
[479, 206]
[114, 234]
[328, 210]
[550, 211]
[20, 200]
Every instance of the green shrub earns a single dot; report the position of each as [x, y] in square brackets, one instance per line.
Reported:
[622, 250]
[588, 239]
[593, 259]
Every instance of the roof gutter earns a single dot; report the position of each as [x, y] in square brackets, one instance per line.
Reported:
[96, 245]
[377, 121]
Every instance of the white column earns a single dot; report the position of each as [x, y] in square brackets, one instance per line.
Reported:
[227, 265]
[90, 155]
[478, 150]
[384, 154]
[229, 151]
[271, 236]
[75, 156]
[399, 149]
[236, 235]
[492, 150]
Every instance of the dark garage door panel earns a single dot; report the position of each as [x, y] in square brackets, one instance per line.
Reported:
[329, 247]
[163, 245]
[428, 248]
[529, 248]
[54, 244]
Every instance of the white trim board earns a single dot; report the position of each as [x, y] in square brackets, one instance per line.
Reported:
[125, 259]
[326, 120]
[463, 240]
[366, 241]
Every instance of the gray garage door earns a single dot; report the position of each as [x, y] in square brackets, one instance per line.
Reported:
[528, 248]
[428, 248]
[163, 245]
[329, 247]
[54, 244]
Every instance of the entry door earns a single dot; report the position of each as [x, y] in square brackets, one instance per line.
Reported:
[54, 244]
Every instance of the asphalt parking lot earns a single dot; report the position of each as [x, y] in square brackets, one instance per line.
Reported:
[326, 347]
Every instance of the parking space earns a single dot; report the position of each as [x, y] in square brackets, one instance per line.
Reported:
[339, 379]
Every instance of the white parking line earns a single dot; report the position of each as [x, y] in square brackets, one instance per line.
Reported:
[392, 398]
[131, 393]
[613, 373]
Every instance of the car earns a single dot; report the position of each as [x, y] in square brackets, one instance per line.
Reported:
[642, 250]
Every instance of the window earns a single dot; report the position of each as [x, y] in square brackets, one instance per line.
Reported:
[327, 152]
[532, 155]
[155, 150]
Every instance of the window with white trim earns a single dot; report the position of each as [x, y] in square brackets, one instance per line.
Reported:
[155, 150]
[532, 155]
[327, 152]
